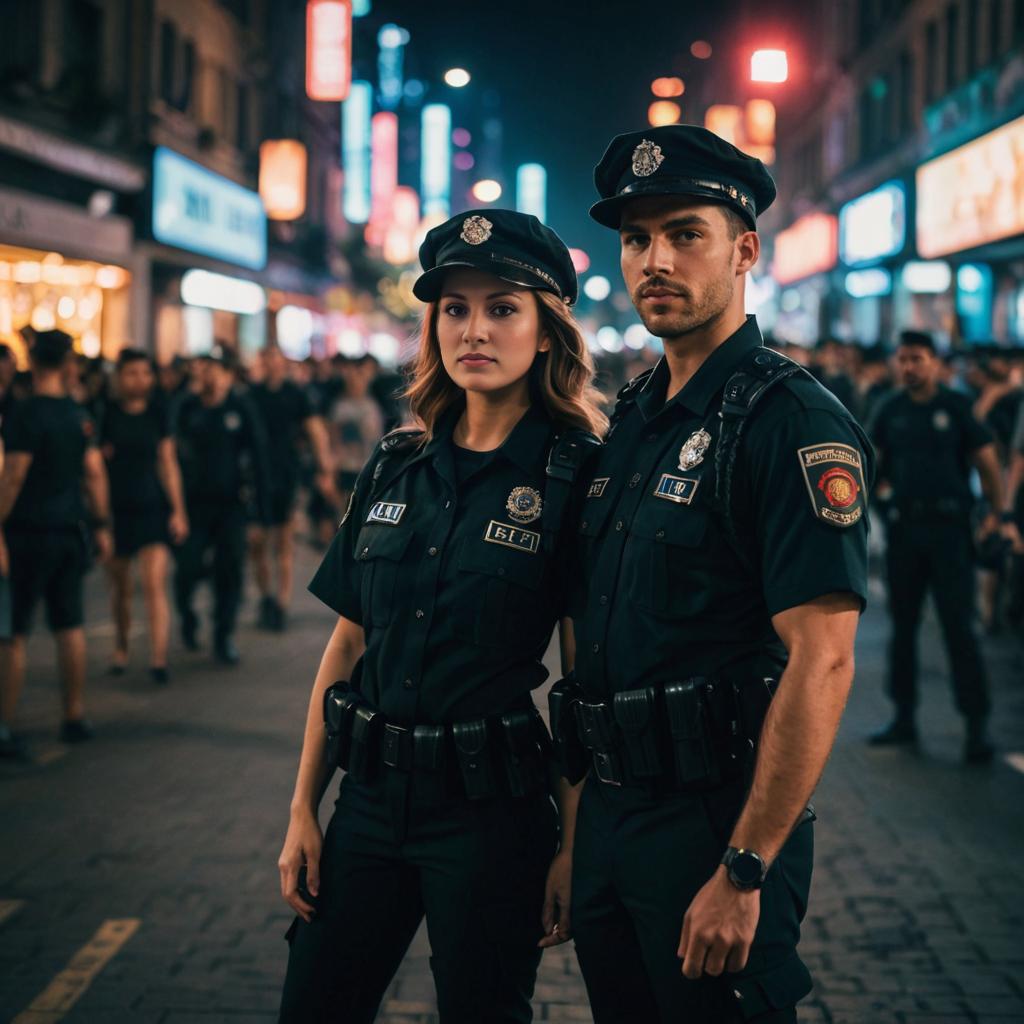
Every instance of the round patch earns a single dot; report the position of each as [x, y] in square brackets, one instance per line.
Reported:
[839, 487]
[941, 419]
[524, 504]
[232, 421]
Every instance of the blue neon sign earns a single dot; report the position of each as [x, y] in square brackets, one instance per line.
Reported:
[199, 210]
[355, 152]
[532, 191]
[874, 226]
[436, 165]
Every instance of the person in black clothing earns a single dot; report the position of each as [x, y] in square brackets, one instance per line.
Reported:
[723, 569]
[147, 500]
[50, 453]
[223, 454]
[8, 370]
[928, 441]
[447, 576]
[286, 413]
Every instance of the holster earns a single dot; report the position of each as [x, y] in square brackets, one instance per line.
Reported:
[597, 733]
[428, 748]
[364, 756]
[474, 757]
[636, 714]
[690, 727]
[521, 753]
[570, 753]
[339, 706]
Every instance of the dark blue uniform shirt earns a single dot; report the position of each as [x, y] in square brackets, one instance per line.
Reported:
[449, 577]
[662, 592]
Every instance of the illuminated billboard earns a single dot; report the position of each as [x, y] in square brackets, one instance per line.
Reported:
[972, 195]
[532, 190]
[808, 247]
[874, 226]
[436, 156]
[328, 49]
[355, 153]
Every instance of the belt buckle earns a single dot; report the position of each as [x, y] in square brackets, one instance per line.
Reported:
[603, 768]
[396, 750]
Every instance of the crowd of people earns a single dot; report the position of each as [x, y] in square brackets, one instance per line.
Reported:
[203, 464]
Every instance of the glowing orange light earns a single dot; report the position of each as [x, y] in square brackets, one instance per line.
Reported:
[283, 178]
[760, 122]
[328, 49]
[769, 66]
[700, 49]
[663, 112]
[668, 87]
[725, 120]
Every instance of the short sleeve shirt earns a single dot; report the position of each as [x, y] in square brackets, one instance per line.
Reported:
[283, 410]
[663, 591]
[130, 442]
[449, 576]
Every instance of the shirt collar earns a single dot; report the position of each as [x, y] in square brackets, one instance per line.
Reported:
[521, 447]
[707, 383]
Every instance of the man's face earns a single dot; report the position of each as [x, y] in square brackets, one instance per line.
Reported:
[917, 366]
[680, 261]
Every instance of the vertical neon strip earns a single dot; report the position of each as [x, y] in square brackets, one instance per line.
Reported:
[383, 169]
[355, 153]
[436, 159]
[532, 191]
[328, 49]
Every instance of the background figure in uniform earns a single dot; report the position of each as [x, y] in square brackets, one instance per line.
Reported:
[285, 413]
[448, 579]
[928, 440]
[147, 501]
[723, 548]
[49, 454]
[223, 458]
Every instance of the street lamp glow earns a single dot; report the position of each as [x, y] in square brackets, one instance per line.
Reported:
[769, 66]
[666, 88]
[663, 112]
[487, 191]
[597, 288]
[457, 77]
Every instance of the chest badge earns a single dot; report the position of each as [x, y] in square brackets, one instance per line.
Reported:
[232, 421]
[597, 486]
[693, 451]
[524, 504]
[941, 419]
[388, 513]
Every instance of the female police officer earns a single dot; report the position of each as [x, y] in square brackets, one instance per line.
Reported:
[447, 580]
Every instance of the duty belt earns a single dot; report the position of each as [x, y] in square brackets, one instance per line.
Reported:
[693, 734]
[480, 758]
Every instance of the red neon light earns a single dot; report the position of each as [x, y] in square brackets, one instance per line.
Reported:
[328, 49]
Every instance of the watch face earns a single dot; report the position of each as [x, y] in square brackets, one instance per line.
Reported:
[746, 868]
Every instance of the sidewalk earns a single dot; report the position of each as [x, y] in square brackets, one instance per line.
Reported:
[174, 817]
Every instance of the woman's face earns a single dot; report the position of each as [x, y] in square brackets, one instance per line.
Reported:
[489, 331]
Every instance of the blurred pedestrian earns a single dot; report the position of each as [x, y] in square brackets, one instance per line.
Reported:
[287, 415]
[147, 501]
[8, 370]
[928, 440]
[223, 456]
[45, 544]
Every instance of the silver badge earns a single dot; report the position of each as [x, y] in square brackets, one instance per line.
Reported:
[524, 504]
[941, 419]
[692, 453]
[647, 158]
[476, 230]
[232, 421]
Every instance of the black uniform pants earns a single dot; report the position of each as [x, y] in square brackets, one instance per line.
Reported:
[216, 540]
[391, 854]
[936, 557]
[639, 860]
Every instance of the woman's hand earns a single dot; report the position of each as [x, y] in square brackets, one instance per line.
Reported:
[302, 846]
[557, 892]
[177, 527]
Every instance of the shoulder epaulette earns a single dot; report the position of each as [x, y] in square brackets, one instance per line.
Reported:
[401, 440]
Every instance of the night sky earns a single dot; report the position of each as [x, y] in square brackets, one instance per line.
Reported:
[569, 76]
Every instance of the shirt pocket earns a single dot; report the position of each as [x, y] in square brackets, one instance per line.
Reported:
[666, 572]
[379, 551]
[501, 598]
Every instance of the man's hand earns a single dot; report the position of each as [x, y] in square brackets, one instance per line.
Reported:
[177, 527]
[989, 525]
[718, 929]
[557, 892]
[104, 544]
[1012, 534]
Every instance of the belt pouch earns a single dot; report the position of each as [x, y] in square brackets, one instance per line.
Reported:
[636, 715]
[365, 752]
[339, 707]
[474, 759]
[597, 733]
[521, 754]
[428, 748]
[691, 740]
[569, 751]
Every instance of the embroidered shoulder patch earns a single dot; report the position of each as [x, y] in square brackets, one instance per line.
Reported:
[835, 482]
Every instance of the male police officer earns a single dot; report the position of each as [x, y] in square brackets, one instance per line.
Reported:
[928, 440]
[724, 528]
[222, 451]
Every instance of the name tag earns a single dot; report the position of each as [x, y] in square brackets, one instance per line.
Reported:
[679, 489]
[387, 512]
[597, 487]
[512, 537]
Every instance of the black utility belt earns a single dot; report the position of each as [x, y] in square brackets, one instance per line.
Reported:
[505, 755]
[690, 735]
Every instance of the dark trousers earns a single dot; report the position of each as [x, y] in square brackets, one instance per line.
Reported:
[936, 557]
[392, 855]
[639, 860]
[216, 542]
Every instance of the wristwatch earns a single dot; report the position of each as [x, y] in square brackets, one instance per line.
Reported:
[745, 868]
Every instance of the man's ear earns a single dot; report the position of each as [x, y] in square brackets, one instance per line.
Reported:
[748, 247]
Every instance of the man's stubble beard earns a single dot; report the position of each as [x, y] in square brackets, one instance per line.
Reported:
[712, 305]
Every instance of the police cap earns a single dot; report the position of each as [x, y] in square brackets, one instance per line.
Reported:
[680, 160]
[515, 247]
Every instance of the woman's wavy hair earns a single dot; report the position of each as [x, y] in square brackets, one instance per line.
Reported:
[560, 379]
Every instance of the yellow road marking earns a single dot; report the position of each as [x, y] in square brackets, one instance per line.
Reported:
[8, 908]
[71, 983]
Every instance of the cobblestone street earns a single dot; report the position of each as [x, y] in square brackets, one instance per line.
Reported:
[173, 818]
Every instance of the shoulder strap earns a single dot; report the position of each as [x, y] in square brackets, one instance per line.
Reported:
[568, 453]
[758, 372]
[396, 445]
[626, 398]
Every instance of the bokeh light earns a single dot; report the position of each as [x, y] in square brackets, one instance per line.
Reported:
[668, 87]
[769, 66]
[664, 112]
[597, 288]
[700, 49]
[457, 77]
[461, 137]
[463, 161]
[487, 191]
[580, 260]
